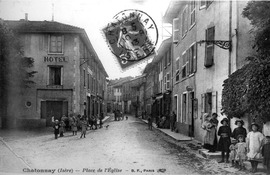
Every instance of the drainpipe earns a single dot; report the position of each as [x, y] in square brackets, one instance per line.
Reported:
[230, 38]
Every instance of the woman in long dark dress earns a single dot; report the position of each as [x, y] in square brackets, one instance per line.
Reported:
[225, 141]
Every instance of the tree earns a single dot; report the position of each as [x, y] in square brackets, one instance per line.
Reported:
[15, 69]
[247, 90]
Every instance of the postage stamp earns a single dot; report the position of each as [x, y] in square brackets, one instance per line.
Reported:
[131, 36]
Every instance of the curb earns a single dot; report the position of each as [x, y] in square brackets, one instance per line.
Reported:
[19, 157]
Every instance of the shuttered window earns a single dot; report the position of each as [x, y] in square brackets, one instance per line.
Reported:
[56, 44]
[209, 47]
[192, 12]
[176, 27]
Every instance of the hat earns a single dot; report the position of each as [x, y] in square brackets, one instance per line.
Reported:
[241, 121]
[225, 119]
[240, 136]
[233, 140]
[254, 124]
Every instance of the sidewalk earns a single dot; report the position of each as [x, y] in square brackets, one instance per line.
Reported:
[196, 146]
[175, 136]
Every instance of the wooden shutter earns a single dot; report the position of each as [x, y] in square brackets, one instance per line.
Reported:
[202, 105]
[176, 30]
[209, 47]
[214, 102]
[195, 58]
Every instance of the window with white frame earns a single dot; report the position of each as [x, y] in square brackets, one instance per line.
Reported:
[55, 75]
[184, 22]
[56, 43]
[176, 30]
[192, 12]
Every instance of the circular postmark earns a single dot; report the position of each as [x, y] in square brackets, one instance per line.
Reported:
[132, 36]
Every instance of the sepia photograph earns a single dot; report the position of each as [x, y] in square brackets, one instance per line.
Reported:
[135, 87]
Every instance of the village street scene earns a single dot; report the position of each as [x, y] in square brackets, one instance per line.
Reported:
[134, 87]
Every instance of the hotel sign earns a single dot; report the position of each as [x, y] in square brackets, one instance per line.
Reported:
[59, 59]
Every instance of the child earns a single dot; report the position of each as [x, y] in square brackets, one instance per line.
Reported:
[56, 127]
[254, 144]
[224, 142]
[61, 129]
[74, 125]
[83, 125]
[150, 122]
[233, 152]
[240, 130]
[241, 152]
[266, 153]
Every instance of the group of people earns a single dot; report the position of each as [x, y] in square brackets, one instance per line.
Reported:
[74, 123]
[237, 146]
[118, 115]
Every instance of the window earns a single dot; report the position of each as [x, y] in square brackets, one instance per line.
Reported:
[185, 65]
[209, 47]
[205, 4]
[56, 44]
[169, 56]
[55, 75]
[88, 81]
[192, 12]
[168, 81]
[165, 82]
[184, 22]
[84, 77]
[177, 69]
[176, 30]
[192, 59]
[184, 108]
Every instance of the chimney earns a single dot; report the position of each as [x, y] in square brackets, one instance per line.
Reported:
[26, 16]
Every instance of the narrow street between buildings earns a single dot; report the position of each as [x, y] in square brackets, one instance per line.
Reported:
[125, 147]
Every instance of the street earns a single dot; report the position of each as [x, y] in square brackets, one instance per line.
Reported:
[126, 147]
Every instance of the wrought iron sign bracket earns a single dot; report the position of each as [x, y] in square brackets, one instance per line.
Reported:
[227, 45]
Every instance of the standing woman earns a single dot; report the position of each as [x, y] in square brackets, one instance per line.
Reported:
[225, 141]
[210, 138]
[254, 146]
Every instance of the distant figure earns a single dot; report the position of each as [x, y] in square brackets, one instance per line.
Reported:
[100, 119]
[150, 122]
[74, 125]
[83, 125]
[62, 128]
[56, 127]
[173, 120]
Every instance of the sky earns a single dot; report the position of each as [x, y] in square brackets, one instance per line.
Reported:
[92, 15]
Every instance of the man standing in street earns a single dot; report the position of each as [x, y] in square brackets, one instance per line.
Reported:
[173, 120]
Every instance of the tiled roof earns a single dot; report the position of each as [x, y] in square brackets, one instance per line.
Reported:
[41, 26]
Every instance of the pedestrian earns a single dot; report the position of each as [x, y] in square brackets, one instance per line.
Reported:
[224, 141]
[241, 152]
[100, 119]
[254, 145]
[74, 125]
[210, 138]
[233, 152]
[56, 127]
[83, 125]
[70, 121]
[266, 153]
[173, 120]
[240, 130]
[150, 122]
[115, 117]
[62, 128]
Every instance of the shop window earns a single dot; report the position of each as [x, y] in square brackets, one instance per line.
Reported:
[55, 75]
[56, 44]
